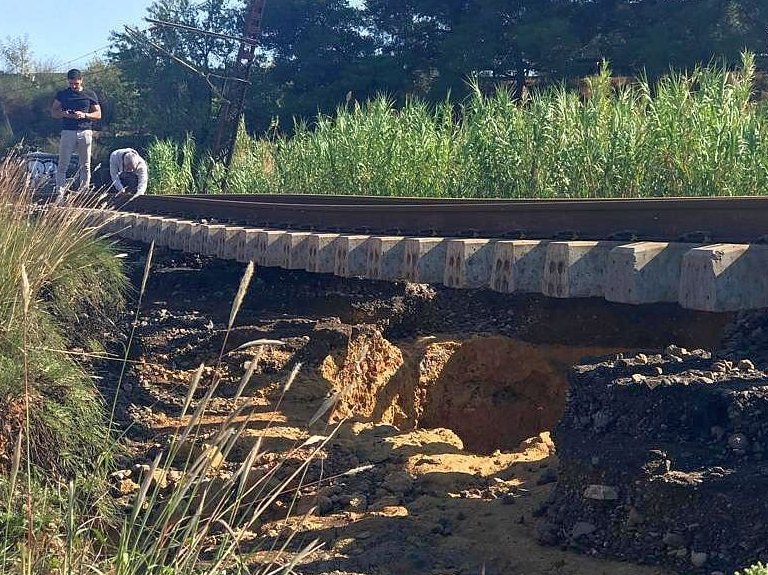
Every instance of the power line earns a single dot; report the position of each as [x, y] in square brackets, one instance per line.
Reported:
[65, 64]
[251, 41]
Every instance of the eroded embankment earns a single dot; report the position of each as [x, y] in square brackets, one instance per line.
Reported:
[440, 390]
[492, 391]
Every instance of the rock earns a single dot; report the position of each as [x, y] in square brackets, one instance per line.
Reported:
[672, 539]
[582, 528]
[174, 475]
[356, 502]
[721, 366]
[698, 559]
[601, 492]
[745, 365]
[127, 486]
[159, 476]
[120, 474]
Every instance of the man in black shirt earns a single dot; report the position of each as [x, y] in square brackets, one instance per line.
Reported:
[77, 107]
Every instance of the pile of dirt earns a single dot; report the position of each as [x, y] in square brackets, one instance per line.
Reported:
[747, 338]
[663, 460]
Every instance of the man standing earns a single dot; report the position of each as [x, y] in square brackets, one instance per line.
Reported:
[128, 171]
[77, 107]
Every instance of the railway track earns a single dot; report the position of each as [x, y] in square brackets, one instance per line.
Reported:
[702, 253]
[731, 220]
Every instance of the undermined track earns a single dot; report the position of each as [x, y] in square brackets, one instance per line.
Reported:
[732, 220]
[701, 253]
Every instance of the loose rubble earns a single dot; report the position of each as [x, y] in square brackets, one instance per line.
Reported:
[664, 457]
[443, 462]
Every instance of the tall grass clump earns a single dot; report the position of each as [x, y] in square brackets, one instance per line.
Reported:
[172, 167]
[56, 278]
[691, 134]
[695, 133]
[556, 143]
[251, 170]
[178, 169]
[374, 149]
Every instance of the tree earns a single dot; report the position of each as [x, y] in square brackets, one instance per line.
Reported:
[653, 35]
[177, 73]
[314, 54]
[439, 45]
[17, 56]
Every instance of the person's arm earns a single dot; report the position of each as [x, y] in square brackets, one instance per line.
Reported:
[114, 170]
[143, 176]
[94, 113]
[57, 111]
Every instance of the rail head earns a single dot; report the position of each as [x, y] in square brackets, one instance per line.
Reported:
[732, 219]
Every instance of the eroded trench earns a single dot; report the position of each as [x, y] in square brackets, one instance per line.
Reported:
[495, 390]
[493, 369]
[492, 391]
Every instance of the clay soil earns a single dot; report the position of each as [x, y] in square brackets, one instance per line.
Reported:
[445, 400]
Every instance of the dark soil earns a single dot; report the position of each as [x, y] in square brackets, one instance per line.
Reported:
[663, 460]
[464, 497]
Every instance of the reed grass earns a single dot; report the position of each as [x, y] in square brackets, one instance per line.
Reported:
[56, 442]
[56, 279]
[57, 282]
[694, 133]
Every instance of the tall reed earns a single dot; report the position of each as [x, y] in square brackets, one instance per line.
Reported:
[693, 133]
[57, 278]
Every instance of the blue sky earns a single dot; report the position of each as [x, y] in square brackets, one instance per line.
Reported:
[69, 33]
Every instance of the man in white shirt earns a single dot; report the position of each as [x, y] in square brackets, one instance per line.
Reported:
[128, 171]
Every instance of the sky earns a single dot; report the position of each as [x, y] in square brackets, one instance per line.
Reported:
[69, 33]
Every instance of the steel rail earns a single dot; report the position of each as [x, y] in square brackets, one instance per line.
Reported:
[711, 219]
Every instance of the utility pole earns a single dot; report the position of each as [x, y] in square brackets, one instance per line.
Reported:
[236, 88]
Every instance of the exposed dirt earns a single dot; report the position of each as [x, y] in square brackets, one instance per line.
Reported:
[448, 396]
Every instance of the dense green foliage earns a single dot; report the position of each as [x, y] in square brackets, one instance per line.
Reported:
[165, 82]
[688, 134]
[56, 281]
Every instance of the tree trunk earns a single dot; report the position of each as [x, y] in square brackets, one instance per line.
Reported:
[6, 131]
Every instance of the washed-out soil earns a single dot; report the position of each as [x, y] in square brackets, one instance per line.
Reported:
[445, 400]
